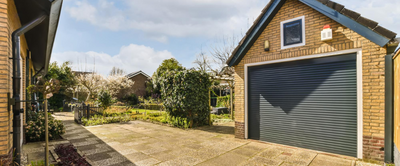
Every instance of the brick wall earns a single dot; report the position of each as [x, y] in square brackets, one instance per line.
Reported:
[9, 22]
[4, 80]
[343, 39]
[139, 87]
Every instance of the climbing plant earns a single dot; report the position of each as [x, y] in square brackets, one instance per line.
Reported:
[186, 95]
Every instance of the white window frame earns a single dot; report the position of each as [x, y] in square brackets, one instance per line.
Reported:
[303, 27]
[358, 51]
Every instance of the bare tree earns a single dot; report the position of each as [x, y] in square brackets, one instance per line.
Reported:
[203, 62]
[91, 81]
[221, 50]
[115, 71]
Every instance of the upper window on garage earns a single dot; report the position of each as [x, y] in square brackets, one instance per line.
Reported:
[293, 33]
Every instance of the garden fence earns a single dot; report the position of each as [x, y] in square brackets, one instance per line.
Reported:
[86, 111]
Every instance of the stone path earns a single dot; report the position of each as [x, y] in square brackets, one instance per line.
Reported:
[142, 143]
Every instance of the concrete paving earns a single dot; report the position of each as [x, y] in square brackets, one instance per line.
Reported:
[144, 143]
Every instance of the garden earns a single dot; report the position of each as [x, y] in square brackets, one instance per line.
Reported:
[176, 97]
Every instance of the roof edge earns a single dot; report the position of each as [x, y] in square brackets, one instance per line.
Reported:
[337, 12]
[133, 74]
[54, 18]
[261, 22]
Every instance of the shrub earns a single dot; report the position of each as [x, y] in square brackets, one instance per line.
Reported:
[186, 95]
[115, 110]
[68, 155]
[178, 122]
[224, 101]
[104, 99]
[39, 163]
[221, 118]
[35, 131]
[152, 107]
[131, 99]
[112, 118]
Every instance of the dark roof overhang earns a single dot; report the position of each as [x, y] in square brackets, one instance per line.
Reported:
[133, 74]
[40, 39]
[363, 26]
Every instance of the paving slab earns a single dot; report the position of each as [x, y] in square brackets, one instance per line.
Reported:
[330, 161]
[263, 161]
[143, 143]
[227, 159]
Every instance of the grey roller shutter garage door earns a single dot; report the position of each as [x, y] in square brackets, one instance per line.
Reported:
[309, 103]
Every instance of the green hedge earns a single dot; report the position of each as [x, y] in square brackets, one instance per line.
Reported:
[224, 101]
[152, 107]
[186, 95]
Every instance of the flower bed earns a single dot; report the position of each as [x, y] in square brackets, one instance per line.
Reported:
[68, 155]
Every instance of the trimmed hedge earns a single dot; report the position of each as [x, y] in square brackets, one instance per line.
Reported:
[186, 95]
[152, 107]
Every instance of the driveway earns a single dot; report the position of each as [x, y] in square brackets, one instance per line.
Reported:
[144, 143]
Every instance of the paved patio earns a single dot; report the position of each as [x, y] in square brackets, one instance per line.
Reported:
[143, 143]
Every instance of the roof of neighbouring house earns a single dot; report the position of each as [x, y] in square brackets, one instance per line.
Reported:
[352, 20]
[133, 74]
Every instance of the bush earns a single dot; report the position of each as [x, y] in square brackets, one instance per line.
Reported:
[131, 99]
[68, 155]
[163, 118]
[221, 118]
[38, 163]
[186, 95]
[152, 107]
[35, 131]
[104, 99]
[224, 101]
[100, 120]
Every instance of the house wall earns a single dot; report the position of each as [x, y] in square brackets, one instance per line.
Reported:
[343, 39]
[139, 87]
[9, 22]
[396, 90]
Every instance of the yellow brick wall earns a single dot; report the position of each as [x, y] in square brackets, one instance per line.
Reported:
[9, 22]
[4, 79]
[343, 38]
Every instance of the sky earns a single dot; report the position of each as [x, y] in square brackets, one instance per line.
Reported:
[139, 34]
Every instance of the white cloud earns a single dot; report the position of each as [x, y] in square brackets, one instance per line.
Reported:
[181, 18]
[130, 58]
[166, 18]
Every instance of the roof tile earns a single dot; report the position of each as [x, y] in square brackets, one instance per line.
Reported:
[367, 22]
[385, 32]
[335, 6]
[349, 13]
[323, 1]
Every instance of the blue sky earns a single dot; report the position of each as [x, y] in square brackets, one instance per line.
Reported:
[138, 34]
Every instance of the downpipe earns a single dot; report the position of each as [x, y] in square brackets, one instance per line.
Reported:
[17, 110]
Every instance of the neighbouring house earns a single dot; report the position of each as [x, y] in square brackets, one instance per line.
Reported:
[311, 74]
[140, 78]
[27, 33]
